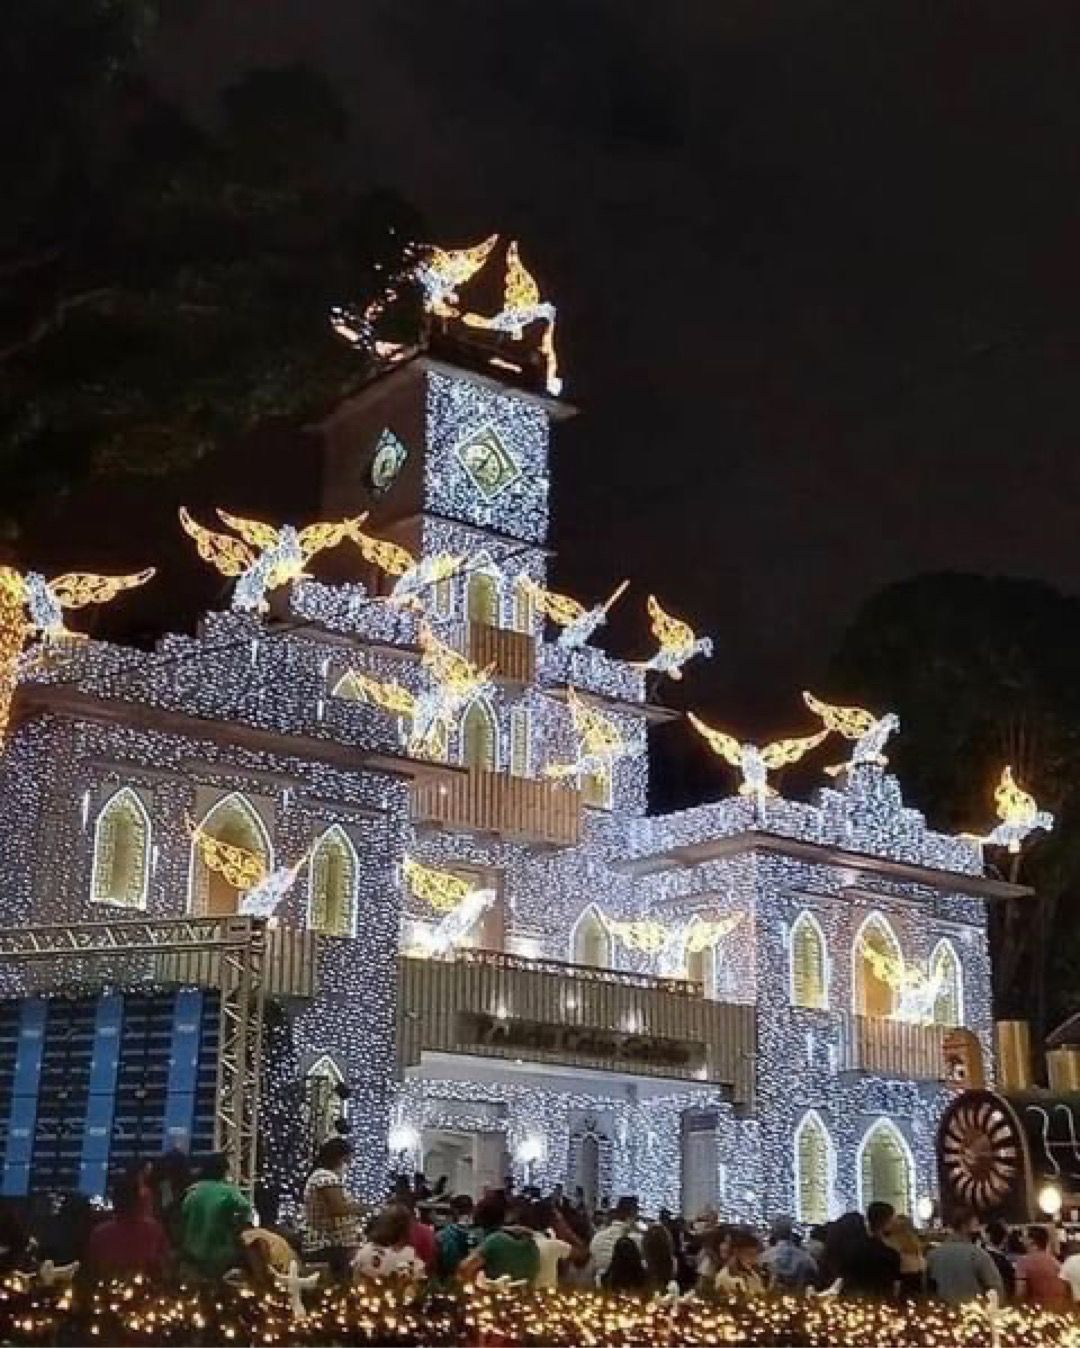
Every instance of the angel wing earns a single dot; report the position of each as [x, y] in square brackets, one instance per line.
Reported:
[241, 868]
[672, 633]
[442, 889]
[782, 752]
[255, 533]
[600, 736]
[646, 935]
[229, 555]
[76, 589]
[391, 696]
[701, 935]
[851, 722]
[454, 267]
[12, 585]
[520, 289]
[447, 665]
[560, 608]
[318, 537]
[726, 746]
[1012, 801]
[386, 556]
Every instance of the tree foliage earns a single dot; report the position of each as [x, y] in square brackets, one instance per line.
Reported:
[168, 285]
[983, 672]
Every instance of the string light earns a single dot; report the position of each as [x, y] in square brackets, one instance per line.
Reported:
[578, 623]
[1019, 815]
[238, 866]
[600, 741]
[522, 305]
[413, 579]
[869, 732]
[442, 889]
[678, 642]
[264, 557]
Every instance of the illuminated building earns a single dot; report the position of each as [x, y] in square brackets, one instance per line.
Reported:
[724, 1005]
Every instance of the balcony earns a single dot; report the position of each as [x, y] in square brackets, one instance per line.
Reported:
[492, 802]
[512, 653]
[291, 967]
[502, 1006]
[905, 1051]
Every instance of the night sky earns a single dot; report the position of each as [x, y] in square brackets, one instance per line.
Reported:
[816, 264]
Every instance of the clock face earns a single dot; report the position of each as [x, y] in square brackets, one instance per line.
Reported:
[488, 463]
[390, 454]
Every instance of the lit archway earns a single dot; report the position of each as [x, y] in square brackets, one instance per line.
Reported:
[482, 598]
[876, 947]
[332, 884]
[946, 972]
[814, 1164]
[590, 941]
[120, 873]
[480, 737]
[235, 821]
[809, 964]
[886, 1168]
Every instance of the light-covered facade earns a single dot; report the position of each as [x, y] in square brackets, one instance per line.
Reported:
[773, 1070]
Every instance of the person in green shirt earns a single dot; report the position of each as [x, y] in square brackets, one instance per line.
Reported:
[213, 1214]
[510, 1252]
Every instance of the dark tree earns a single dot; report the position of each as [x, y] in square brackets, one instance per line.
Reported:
[983, 672]
[168, 286]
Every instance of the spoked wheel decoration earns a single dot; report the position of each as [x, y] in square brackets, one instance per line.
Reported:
[981, 1151]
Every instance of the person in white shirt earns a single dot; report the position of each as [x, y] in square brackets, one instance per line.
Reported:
[1070, 1269]
[553, 1240]
[623, 1223]
[387, 1253]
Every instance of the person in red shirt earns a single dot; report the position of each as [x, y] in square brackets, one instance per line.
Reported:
[421, 1235]
[1038, 1273]
[129, 1242]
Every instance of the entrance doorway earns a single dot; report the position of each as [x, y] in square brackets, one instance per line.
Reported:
[700, 1162]
[471, 1161]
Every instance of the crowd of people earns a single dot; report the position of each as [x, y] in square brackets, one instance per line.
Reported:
[171, 1219]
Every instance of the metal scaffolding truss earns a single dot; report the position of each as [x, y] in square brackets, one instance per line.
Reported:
[240, 945]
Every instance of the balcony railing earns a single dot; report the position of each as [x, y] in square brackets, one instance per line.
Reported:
[900, 1049]
[500, 1006]
[492, 802]
[512, 653]
[291, 968]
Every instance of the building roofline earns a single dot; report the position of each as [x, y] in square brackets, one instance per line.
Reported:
[758, 840]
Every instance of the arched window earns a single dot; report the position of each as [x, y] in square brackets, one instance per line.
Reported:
[946, 973]
[701, 968]
[813, 1170]
[480, 737]
[524, 605]
[234, 821]
[121, 869]
[347, 688]
[482, 598]
[886, 1168]
[323, 1102]
[596, 789]
[809, 968]
[442, 595]
[519, 741]
[332, 885]
[878, 966]
[590, 942]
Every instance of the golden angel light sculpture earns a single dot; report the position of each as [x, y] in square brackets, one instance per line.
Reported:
[671, 945]
[578, 623]
[444, 271]
[413, 578]
[433, 714]
[262, 558]
[32, 606]
[754, 762]
[600, 742]
[916, 993]
[1018, 812]
[459, 902]
[442, 889]
[869, 732]
[262, 890]
[522, 305]
[678, 643]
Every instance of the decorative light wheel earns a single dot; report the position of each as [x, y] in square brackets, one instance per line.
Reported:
[981, 1150]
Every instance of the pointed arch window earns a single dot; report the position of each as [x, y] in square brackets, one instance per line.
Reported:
[596, 789]
[519, 741]
[946, 973]
[809, 967]
[324, 1103]
[442, 595]
[876, 950]
[590, 941]
[480, 737]
[332, 874]
[122, 838]
[886, 1168]
[701, 968]
[235, 821]
[813, 1170]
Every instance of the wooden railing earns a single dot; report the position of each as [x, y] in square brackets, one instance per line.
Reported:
[291, 965]
[894, 1048]
[499, 1006]
[493, 802]
[513, 654]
